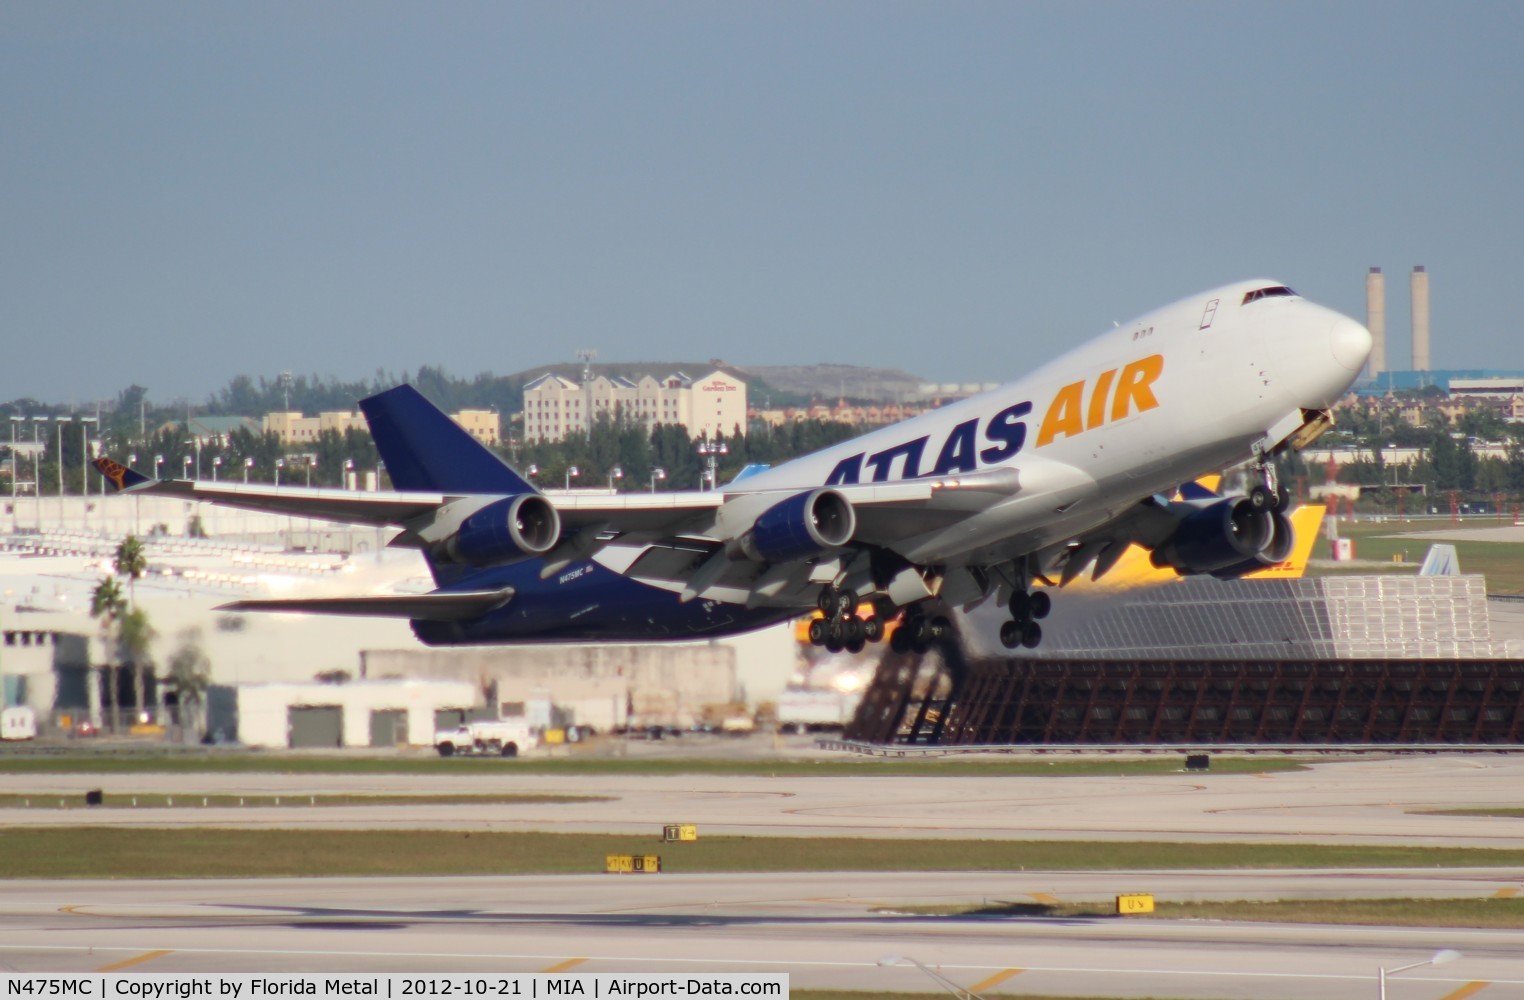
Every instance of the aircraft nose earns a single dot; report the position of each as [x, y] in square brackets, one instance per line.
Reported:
[1350, 343]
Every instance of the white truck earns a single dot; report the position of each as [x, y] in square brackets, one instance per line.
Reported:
[498, 737]
[813, 710]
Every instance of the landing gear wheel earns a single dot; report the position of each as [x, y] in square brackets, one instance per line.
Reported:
[855, 644]
[1040, 604]
[845, 603]
[1020, 605]
[940, 628]
[826, 602]
[1261, 498]
[817, 631]
[1031, 635]
[873, 629]
[1010, 635]
[1282, 499]
[899, 642]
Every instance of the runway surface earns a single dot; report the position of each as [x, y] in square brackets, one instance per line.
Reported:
[1364, 801]
[827, 930]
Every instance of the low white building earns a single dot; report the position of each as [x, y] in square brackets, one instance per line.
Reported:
[357, 714]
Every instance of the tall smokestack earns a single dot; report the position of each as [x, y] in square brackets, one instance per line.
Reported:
[1420, 319]
[1375, 318]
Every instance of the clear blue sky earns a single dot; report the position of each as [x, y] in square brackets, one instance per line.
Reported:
[196, 190]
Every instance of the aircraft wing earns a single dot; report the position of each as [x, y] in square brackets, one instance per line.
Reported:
[445, 606]
[349, 506]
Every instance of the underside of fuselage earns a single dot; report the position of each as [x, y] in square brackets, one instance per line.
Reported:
[586, 602]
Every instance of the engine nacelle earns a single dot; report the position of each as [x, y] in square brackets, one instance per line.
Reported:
[1277, 550]
[1224, 534]
[505, 531]
[802, 525]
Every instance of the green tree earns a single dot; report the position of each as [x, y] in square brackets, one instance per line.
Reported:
[188, 675]
[135, 636]
[107, 607]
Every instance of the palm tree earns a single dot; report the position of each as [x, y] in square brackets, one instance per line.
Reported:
[132, 562]
[106, 606]
[189, 673]
[135, 636]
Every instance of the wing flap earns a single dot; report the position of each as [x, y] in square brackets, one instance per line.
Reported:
[440, 606]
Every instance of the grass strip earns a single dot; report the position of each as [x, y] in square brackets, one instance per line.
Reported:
[209, 852]
[1461, 912]
[854, 767]
[164, 800]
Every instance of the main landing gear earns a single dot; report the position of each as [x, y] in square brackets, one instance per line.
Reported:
[1026, 608]
[841, 628]
[918, 631]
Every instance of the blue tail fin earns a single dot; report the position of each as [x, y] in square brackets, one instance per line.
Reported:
[425, 450]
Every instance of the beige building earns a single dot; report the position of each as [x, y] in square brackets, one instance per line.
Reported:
[294, 428]
[555, 407]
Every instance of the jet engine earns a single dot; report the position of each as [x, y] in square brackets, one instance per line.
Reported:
[1218, 536]
[504, 531]
[802, 525]
[1276, 550]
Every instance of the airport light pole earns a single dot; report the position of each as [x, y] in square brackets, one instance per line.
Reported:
[16, 419]
[712, 450]
[655, 475]
[615, 474]
[572, 472]
[158, 460]
[280, 463]
[84, 458]
[37, 464]
[1440, 957]
[248, 464]
[349, 468]
[216, 464]
[61, 420]
[185, 466]
[937, 977]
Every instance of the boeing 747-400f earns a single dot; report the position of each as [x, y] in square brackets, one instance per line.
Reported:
[1048, 477]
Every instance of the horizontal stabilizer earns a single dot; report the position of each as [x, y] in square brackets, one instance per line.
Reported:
[440, 606]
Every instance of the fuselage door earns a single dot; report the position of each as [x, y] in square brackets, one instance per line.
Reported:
[1209, 314]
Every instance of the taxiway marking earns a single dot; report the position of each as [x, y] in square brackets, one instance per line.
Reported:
[127, 963]
[570, 963]
[1508, 893]
[1469, 990]
[995, 980]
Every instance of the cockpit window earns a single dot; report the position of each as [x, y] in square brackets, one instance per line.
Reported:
[1267, 293]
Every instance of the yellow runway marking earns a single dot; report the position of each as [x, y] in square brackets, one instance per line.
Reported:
[1507, 893]
[1469, 990]
[993, 981]
[1043, 897]
[127, 963]
[570, 963]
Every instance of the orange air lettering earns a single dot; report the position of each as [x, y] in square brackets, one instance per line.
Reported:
[1134, 389]
[1097, 415]
[1063, 414]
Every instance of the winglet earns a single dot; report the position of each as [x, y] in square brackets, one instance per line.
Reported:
[118, 475]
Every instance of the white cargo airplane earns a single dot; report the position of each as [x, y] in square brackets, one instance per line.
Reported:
[1035, 482]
